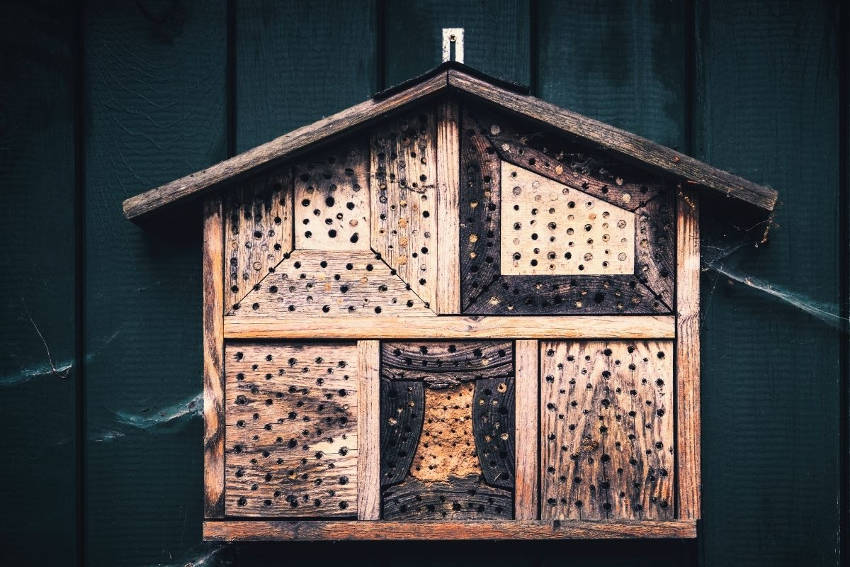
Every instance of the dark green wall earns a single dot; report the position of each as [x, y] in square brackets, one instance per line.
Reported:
[102, 459]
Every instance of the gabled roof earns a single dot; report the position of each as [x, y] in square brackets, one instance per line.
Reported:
[458, 78]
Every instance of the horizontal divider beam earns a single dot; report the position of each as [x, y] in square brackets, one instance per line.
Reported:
[263, 530]
[454, 327]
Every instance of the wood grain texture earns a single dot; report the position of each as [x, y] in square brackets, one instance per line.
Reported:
[625, 144]
[322, 285]
[448, 216]
[257, 231]
[213, 324]
[450, 404]
[402, 416]
[292, 430]
[445, 531]
[285, 146]
[487, 288]
[527, 353]
[332, 198]
[606, 415]
[688, 431]
[549, 229]
[451, 326]
[369, 431]
[403, 194]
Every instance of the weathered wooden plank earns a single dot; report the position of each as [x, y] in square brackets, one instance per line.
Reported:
[292, 430]
[625, 144]
[403, 195]
[369, 431]
[448, 213]
[279, 148]
[332, 209]
[606, 428]
[527, 429]
[445, 531]
[40, 371]
[257, 231]
[688, 430]
[321, 285]
[448, 326]
[213, 337]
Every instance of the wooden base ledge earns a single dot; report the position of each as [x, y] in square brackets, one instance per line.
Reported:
[453, 326]
[238, 530]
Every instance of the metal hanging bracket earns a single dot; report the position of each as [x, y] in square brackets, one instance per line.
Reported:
[453, 44]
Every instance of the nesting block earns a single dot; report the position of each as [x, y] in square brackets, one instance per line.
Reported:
[332, 199]
[550, 229]
[447, 430]
[291, 430]
[404, 200]
[606, 430]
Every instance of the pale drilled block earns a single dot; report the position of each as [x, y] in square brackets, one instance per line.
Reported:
[551, 229]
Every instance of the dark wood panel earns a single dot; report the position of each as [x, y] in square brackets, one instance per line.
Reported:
[297, 62]
[154, 103]
[491, 139]
[38, 369]
[497, 37]
[767, 104]
[447, 426]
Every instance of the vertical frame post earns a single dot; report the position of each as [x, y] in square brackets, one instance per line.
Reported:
[448, 216]
[213, 337]
[526, 437]
[369, 430]
[688, 353]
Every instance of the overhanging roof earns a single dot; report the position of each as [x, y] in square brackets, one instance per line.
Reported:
[454, 77]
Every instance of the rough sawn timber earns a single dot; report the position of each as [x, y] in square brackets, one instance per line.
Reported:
[454, 327]
[443, 531]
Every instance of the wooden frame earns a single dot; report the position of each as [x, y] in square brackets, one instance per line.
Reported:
[252, 229]
[213, 337]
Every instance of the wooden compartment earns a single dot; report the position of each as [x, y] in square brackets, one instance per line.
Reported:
[291, 429]
[447, 430]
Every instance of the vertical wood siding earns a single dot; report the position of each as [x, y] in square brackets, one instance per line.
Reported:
[170, 87]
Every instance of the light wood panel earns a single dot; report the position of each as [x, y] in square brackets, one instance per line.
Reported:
[448, 214]
[403, 191]
[322, 285]
[688, 354]
[369, 430]
[527, 429]
[292, 430]
[445, 531]
[213, 337]
[332, 199]
[368, 326]
[548, 228]
[606, 427]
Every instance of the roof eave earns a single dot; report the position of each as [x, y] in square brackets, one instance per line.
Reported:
[452, 77]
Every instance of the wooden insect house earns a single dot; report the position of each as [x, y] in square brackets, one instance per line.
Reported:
[453, 311]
